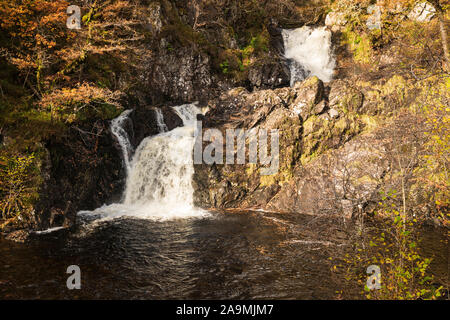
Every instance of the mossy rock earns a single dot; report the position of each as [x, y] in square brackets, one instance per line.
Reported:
[321, 134]
[345, 98]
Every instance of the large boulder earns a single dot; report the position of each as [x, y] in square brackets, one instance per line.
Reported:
[226, 186]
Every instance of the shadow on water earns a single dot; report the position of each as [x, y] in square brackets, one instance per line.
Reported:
[249, 255]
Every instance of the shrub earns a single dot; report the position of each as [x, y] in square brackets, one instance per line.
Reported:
[17, 188]
[394, 247]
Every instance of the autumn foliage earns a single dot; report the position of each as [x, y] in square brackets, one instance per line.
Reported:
[32, 31]
[69, 103]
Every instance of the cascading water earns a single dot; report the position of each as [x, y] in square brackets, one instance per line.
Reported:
[309, 51]
[162, 167]
[117, 128]
[159, 183]
[160, 121]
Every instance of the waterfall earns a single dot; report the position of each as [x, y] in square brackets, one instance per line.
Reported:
[160, 121]
[162, 167]
[159, 183]
[309, 52]
[117, 128]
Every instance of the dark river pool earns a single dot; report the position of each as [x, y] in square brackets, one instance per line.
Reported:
[243, 255]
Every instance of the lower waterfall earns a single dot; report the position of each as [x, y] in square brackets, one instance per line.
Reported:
[159, 182]
[310, 53]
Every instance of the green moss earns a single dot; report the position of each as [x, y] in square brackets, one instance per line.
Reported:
[290, 152]
[235, 62]
[258, 44]
[311, 81]
[225, 66]
[383, 98]
[316, 131]
[103, 68]
[266, 181]
[370, 122]
[310, 124]
[283, 176]
[359, 44]
[320, 134]
[395, 85]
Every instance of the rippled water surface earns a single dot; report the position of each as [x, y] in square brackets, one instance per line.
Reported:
[250, 255]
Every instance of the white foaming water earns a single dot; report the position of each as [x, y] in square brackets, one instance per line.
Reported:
[159, 184]
[122, 137]
[160, 121]
[310, 52]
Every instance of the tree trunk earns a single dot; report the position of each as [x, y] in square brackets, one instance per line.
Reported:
[444, 40]
[443, 30]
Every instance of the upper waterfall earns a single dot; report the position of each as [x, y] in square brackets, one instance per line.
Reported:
[310, 53]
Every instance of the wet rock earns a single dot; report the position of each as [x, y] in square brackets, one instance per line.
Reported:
[271, 75]
[298, 72]
[226, 195]
[144, 123]
[82, 171]
[181, 75]
[276, 38]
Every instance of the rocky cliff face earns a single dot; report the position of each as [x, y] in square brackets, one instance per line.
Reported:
[309, 124]
[83, 170]
[337, 148]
